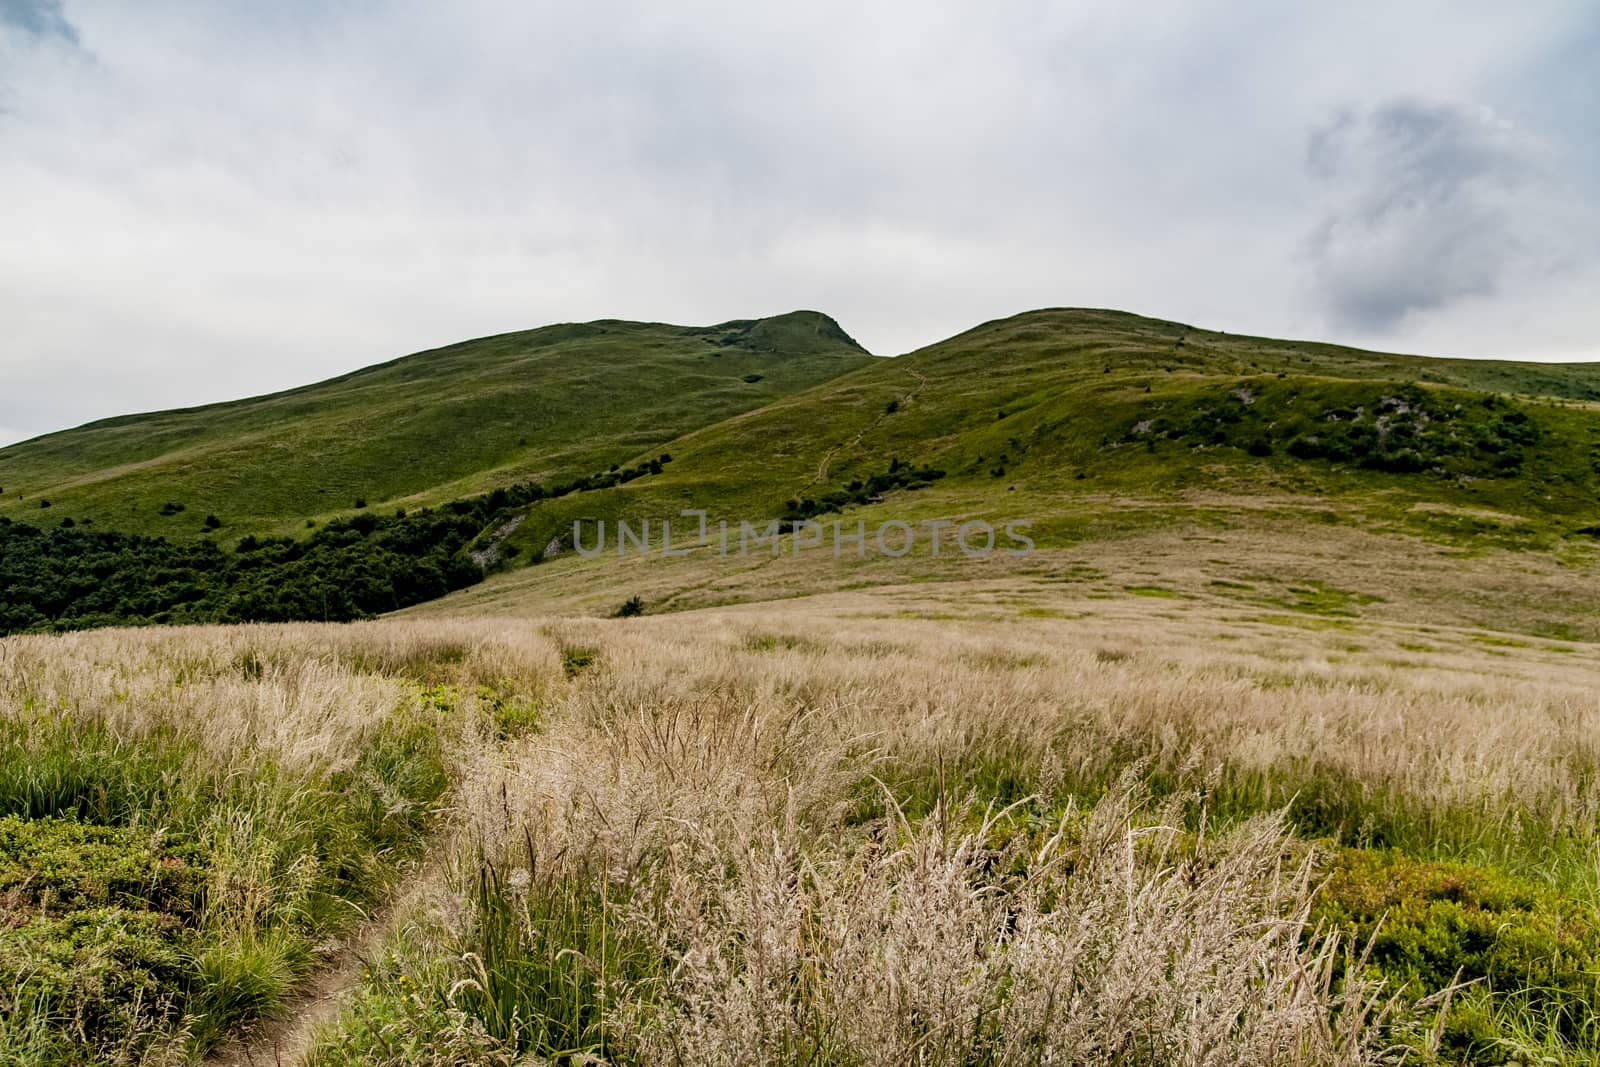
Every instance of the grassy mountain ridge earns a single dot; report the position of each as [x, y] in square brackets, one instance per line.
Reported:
[438, 425]
[1072, 412]
[1132, 340]
[1096, 426]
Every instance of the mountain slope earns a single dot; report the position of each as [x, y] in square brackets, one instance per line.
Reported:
[1066, 411]
[1118, 438]
[545, 404]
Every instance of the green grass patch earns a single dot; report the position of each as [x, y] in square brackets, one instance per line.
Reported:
[1048, 613]
[151, 897]
[576, 661]
[526, 978]
[1531, 954]
[1159, 592]
[1318, 598]
[1497, 641]
[1300, 622]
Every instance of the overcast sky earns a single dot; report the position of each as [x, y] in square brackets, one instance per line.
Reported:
[204, 201]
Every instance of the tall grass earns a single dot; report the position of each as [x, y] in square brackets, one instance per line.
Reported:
[779, 796]
[829, 834]
[292, 770]
[1111, 940]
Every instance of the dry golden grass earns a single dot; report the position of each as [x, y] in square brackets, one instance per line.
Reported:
[302, 691]
[1445, 719]
[1216, 552]
[786, 806]
[997, 821]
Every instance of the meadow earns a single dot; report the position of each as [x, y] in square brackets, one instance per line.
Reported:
[943, 823]
[1280, 748]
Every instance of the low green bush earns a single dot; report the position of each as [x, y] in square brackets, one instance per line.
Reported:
[152, 894]
[1532, 952]
[898, 476]
[1399, 428]
[97, 924]
[575, 661]
[63, 865]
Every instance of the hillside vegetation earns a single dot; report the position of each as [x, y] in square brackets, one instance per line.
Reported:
[1095, 426]
[75, 577]
[547, 405]
[1060, 414]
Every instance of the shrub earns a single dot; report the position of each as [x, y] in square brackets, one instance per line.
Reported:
[574, 661]
[631, 608]
[347, 569]
[1432, 925]
[103, 918]
[1391, 427]
[898, 476]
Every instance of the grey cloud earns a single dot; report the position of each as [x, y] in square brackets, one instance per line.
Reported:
[237, 197]
[38, 18]
[1428, 205]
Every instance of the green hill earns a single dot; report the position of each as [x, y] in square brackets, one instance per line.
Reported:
[545, 404]
[1062, 412]
[1100, 428]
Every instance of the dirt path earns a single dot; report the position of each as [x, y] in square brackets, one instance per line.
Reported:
[822, 468]
[284, 1039]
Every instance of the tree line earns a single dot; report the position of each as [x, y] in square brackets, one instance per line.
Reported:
[75, 577]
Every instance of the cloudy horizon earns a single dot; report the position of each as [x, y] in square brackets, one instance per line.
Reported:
[204, 204]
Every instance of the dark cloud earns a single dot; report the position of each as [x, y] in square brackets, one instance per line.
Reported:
[1428, 204]
[38, 18]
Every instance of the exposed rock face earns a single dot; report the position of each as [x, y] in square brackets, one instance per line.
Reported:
[489, 554]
